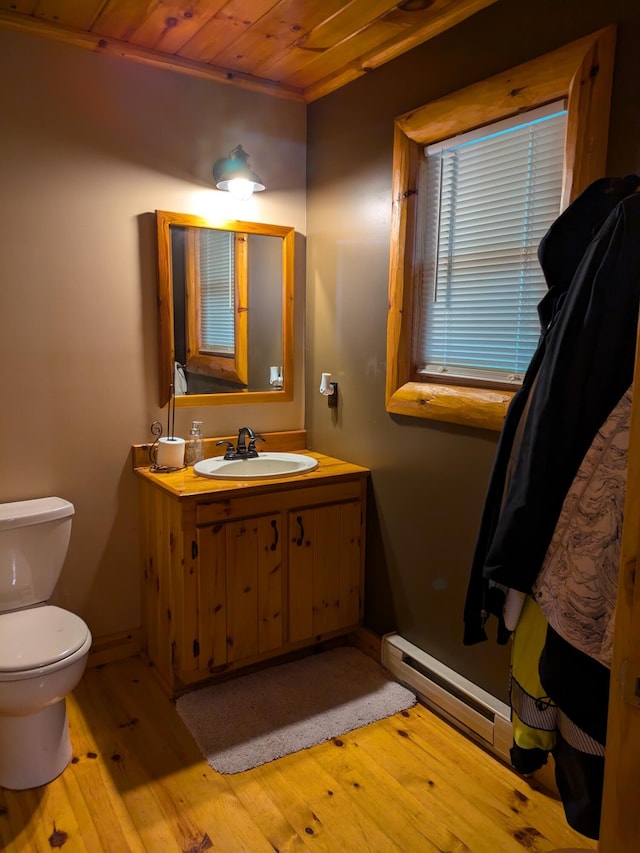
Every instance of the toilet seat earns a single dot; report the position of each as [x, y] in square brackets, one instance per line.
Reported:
[39, 640]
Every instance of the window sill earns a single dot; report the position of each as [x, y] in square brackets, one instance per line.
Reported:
[482, 408]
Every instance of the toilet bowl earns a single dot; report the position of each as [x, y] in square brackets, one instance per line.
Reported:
[43, 648]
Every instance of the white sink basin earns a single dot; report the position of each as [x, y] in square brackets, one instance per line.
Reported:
[265, 466]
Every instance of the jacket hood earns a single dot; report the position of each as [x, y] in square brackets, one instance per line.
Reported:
[565, 243]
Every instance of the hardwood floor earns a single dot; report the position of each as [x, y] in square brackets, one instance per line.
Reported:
[407, 784]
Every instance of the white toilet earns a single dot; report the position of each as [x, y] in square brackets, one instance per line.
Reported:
[43, 648]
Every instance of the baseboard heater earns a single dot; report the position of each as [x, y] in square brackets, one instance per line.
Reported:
[461, 702]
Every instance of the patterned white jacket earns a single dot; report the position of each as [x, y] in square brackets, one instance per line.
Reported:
[577, 583]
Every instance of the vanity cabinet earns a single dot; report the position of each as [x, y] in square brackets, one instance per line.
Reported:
[237, 573]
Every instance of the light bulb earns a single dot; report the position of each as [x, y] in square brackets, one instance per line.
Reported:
[240, 188]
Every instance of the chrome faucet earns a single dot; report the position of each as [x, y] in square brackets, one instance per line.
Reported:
[242, 451]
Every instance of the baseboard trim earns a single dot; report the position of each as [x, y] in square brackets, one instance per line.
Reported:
[367, 642]
[115, 647]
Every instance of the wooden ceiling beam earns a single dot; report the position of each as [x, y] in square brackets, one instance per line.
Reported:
[113, 47]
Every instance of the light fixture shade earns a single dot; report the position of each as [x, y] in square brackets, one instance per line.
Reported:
[233, 174]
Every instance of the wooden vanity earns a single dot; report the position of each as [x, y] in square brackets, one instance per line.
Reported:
[235, 573]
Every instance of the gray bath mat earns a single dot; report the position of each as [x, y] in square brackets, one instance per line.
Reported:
[256, 718]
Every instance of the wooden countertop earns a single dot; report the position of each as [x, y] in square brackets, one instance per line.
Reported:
[184, 484]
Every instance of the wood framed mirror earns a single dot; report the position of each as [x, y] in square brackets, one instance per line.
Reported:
[225, 309]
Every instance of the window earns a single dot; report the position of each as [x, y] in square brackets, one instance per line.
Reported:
[441, 364]
[485, 200]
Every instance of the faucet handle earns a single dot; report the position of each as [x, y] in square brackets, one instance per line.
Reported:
[251, 450]
[230, 452]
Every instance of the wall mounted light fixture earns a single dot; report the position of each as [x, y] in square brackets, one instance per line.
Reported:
[234, 175]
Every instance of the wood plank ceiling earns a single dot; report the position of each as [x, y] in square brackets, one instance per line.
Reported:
[298, 49]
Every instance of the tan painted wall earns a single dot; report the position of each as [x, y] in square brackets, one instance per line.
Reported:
[428, 479]
[88, 146]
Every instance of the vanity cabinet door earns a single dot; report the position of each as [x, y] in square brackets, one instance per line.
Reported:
[240, 590]
[324, 569]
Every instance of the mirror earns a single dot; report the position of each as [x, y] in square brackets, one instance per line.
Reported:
[225, 295]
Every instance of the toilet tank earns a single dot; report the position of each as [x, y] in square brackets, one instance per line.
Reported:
[34, 538]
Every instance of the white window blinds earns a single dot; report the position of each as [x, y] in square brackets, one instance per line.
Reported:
[486, 199]
[217, 291]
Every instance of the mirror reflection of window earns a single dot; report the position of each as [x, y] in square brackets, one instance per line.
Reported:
[214, 335]
[216, 281]
[215, 250]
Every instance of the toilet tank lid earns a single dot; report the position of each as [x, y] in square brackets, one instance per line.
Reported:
[34, 511]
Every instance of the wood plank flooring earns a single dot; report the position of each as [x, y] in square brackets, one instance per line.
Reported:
[407, 784]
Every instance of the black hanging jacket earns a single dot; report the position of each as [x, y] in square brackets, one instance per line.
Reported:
[581, 368]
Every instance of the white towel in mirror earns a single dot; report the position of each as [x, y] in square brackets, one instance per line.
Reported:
[179, 380]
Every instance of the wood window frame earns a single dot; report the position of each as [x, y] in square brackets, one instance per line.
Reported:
[581, 72]
[233, 367]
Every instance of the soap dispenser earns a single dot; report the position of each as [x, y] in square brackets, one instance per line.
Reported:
[195, 447]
